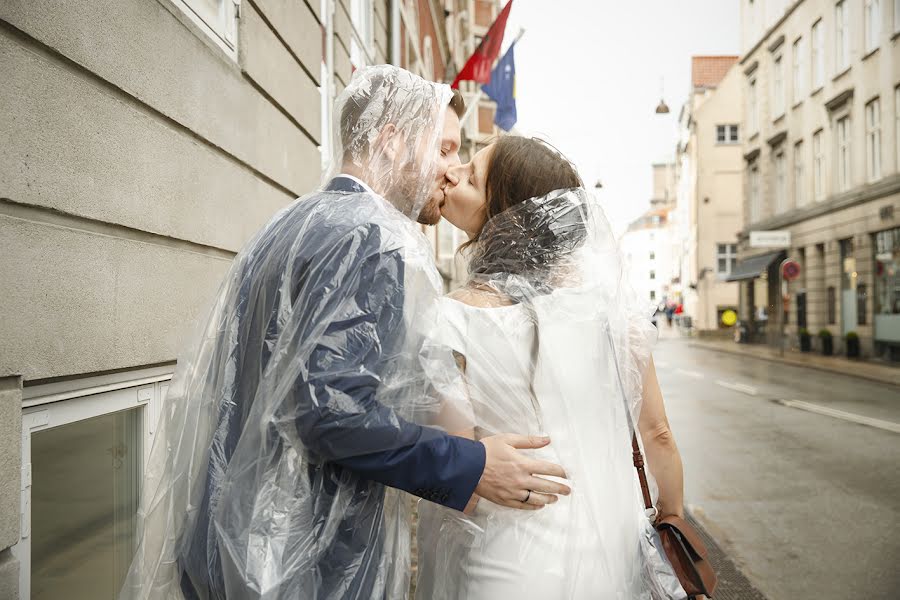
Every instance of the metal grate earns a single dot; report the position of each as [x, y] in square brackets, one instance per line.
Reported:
[733, 585]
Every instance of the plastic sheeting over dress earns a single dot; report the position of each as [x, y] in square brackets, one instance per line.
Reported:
[313, 362]
[554, 342]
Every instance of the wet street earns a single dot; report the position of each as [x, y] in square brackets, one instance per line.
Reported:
[794, 471]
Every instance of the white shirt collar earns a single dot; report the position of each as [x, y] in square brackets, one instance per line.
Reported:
[359, 181]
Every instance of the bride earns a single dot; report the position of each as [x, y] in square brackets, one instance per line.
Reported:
[551, 341]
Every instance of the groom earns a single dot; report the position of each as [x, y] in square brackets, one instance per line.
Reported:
[359, 444]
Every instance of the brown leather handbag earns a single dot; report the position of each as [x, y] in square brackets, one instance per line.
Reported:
[683, 546]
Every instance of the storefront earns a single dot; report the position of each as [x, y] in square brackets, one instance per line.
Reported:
[887, 293]
[759, 296]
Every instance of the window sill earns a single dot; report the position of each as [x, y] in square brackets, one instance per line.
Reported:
[816, 91]
[841, 74]
[778, 120]
[870, 53]
[797, 105]
[896, 35]
[753, 137]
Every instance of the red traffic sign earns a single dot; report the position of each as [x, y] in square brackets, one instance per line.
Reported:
[790, 270]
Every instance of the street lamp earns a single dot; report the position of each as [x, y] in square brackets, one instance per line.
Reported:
[662, 108]
[598, 185]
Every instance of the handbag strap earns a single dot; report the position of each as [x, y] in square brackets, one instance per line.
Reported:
[638, 459]
[636, 454]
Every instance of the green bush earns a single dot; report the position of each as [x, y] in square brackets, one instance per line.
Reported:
[804, 331]
[824, 333]
[851, 335]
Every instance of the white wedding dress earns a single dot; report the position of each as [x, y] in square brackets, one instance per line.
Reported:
[554, 366]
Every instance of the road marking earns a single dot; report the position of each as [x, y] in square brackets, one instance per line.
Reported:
[738, 387]
[839, 414]
[693, 374]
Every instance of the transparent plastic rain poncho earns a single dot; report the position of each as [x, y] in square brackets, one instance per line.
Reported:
[554, 342]
[313, 357]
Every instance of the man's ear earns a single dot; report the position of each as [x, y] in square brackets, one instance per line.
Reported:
[386, 142]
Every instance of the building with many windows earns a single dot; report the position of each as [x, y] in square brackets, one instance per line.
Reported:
[709, 190]
[144, 142]
[821, 145]
[647, 244]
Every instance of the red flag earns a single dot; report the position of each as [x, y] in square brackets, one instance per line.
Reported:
[478, 67]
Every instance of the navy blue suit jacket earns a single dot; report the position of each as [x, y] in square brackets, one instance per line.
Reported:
[422, 460]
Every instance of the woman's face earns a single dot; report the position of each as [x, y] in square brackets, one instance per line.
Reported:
[465, 198]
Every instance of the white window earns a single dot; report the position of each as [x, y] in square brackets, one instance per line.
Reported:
[755, 208]
[872, 16]
[86, 446]
[362, 42]
[873, 140]
[797, 68]
[752, 116]
[652, 255]
[780, 184]
[799, 200]
[652, 295]
[726, 257]
[652, 274]
[217, 18]
[818, 55]
[778, 88]
[841, 37]
[843, 154]
[726, 134]
[897, 124]
[818, 166]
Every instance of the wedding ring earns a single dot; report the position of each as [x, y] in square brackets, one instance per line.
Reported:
[525, 501]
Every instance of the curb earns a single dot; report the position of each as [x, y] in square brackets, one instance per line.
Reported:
[796, 363]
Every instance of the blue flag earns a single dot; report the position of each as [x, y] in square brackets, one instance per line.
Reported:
[502, 90]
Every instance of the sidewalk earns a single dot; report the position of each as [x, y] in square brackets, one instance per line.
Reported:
[871, 370]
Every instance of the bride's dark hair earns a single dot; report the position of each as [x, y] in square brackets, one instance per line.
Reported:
[520, 169]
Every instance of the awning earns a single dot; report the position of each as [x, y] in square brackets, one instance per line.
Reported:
[753, 267]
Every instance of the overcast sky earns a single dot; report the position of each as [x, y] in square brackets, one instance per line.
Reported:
[588, 80]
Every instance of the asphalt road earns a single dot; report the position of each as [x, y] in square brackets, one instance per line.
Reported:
[778, 467]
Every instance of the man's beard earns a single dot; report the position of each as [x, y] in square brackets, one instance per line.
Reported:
[430, 213]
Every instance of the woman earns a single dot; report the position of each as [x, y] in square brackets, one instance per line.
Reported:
[551, 340]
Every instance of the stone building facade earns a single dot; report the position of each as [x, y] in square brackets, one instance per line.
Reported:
[144, 143]
[822, 166]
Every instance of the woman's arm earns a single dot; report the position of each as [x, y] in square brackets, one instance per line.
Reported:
[663, 458]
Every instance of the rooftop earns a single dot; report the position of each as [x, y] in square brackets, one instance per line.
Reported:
[708, 71]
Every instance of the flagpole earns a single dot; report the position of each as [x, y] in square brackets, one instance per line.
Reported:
[479, 93]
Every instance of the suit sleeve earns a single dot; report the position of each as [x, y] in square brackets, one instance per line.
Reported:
[337, 413]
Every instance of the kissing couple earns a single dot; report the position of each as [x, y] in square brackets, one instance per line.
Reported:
[332, 379]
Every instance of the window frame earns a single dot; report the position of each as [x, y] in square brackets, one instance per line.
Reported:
[729, 255]
[798, 174]
[817, 56]
[798, 91]
[780, 160]
[843, 153]
[841, 37]
[222, 28]
[873, 140]
[818, 150]
[872, 25]
[778, 95]
[754, 194]
[753, 108]
[58, 404]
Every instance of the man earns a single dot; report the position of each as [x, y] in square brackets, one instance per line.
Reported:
[302, 403]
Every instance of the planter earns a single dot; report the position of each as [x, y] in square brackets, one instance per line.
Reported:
[805, 343]
[827, 346]
[852, 347]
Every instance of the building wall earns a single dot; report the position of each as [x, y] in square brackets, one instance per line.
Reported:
[854, 213]
[717, 202]
[138, 156]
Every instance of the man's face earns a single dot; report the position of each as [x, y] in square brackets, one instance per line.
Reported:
[449, 157]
